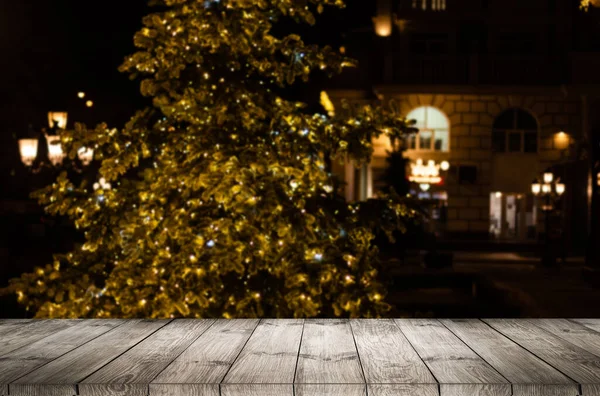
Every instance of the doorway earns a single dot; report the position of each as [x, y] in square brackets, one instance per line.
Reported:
[512, 216]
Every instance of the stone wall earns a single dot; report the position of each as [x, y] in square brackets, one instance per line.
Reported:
[471, 119]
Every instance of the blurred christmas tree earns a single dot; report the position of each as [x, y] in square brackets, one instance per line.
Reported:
[217, 202]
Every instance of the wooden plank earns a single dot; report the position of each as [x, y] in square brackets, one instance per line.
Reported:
[387, 358]
[528, 374]
[269, 357]
[257, 389]
[184, 390]
[206, 361]
[593, 324]
[60, 376]
[575, 333]
[26, 359]
[454, 365]
[575, 362]
[328, 357]
[403, 390]
[330, 389]
[17, 334]
[136, 368]
[7, 326]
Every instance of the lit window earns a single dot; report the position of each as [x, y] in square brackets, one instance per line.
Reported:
[434, 129]
[515, 131]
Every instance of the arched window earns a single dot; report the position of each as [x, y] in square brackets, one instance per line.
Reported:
[515, 131]
[434, 129]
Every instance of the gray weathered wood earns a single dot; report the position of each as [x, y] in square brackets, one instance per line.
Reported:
[206, 360]
[60, 376]
[136, 368]
[455, 366]
[575, 362]
[403, 390]
[573, 332]
[269, 357]
[528, 374]
[593, 324]
[330, 389]
[9, 325]
[387, 358]
[184, 390]
[14, 335]
[328, 355]
[27, 358]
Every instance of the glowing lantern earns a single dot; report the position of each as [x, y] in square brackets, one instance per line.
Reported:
[86, 155]
[548, 177]
[536, 188]
[28, 149]
[59, 118]
[383, 20]
[560, 188]
[426, 174]
[383, 25]
[561, 140]
[55, 151]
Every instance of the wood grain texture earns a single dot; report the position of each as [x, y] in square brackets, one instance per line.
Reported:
[328, 354]
[590, 389]
[293, 357]
[61, 375]
[474, 390]
[544, 390]
[386, 355]
[330, 390]
[512, 361]
[184, 389]
[402, 390]
[26, 359]
[451, 361]
[269, 357]
[593, 324]
[575, 362]
[207, 360]
[575, 333]
[14, 335]
[257, 389]
[137, 367]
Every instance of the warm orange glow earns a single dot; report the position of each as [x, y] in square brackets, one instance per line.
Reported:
[383, 25]
[561, 140]
[28, 149]
[327, 104]
[55, 151]
[58, 117]
[425, 174]
[86, 155]
[89, 103]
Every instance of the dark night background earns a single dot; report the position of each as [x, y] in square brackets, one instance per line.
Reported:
[51, 50]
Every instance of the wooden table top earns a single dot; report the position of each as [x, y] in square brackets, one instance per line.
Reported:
[297, 357]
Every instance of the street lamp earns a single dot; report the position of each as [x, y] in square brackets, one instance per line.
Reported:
[550, 191]
[28, 148]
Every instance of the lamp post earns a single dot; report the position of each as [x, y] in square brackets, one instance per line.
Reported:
[28, 148]
[550, 191]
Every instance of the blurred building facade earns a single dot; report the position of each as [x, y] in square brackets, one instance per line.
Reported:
[502, 90]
